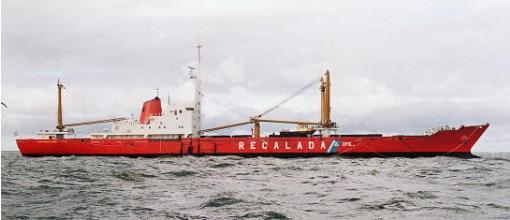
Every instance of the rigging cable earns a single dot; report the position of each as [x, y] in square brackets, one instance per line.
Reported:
[225, 106]
[290, 97]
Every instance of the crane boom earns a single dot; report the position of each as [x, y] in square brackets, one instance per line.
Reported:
[325, 121]
[254, 121]
[94, 122]
[226, 126]
[289, 122]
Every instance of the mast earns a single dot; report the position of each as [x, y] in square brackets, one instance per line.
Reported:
[60, 124]
[325, 101]
[256, 128]
[197, 125]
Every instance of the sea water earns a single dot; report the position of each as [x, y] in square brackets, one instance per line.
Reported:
[233, 187]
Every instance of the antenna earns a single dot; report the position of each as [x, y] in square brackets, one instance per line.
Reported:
[198, 47]
[191, 73]
[157, 92]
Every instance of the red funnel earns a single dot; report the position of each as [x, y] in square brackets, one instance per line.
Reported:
[150, 108]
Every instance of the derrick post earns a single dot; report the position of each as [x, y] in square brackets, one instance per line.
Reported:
[256, 128]
[60, 124]
[327, 93]
[325, 100]
[322, 88]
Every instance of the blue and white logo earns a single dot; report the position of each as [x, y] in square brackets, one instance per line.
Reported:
[333, 147]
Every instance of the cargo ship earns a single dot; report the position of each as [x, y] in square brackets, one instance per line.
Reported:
[177, 131]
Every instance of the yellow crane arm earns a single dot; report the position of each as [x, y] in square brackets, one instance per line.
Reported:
[325, 87]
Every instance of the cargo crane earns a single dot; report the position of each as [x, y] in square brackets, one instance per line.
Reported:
[325, 124]
[60, 124]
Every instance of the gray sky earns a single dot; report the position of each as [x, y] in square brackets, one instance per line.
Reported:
[397, 66]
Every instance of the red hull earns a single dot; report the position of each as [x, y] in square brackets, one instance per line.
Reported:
[448, 142]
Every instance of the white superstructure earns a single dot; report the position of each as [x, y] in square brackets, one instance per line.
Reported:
[175, 122]
[179, 120]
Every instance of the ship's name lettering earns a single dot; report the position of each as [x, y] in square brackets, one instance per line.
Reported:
[277, 145]
[253, 145]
